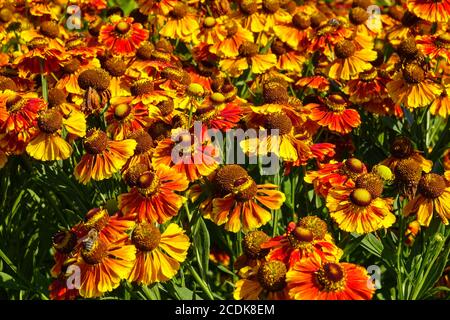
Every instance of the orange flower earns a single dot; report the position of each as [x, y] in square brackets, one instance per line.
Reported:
[181, 23]
[231, 37]
[301, 241]
[369, 86]
[434, 46]
[265, 280]
[412, 88]
[315, 279]
[103, 265]
[333, 113]
[430, 10]
[159, 254]
[124, 117]
[335, 174]
[238, 206]
[433, 195]
[358, 209]
[441, 105]
[191, 155]
[152, 196]
[349, 61]
[121, 36]
[296, 33]
[103, 158]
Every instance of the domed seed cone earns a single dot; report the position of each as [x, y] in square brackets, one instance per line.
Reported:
[96, 253]
[56, 97]
[248, 6]
[122, 111]
[344, 49]
[116, 67]
[248, 49]
[159, 130]
[278, 47]
[6, 14]
[217, 97]
[245, 189]
[97, 79]
[358, 16]
[50, 29]
[145, 51]
[272, 275]
[209, 22]
[141, 87]
[407, 49]
[133, 173]
[361, 197]
[271, 6]
[317, 226]
[353, 167]
[71, 66]
[143, 139]
[361, 3]
[407, 175]
[317, 19]
[273, 92]
[179, 11]
[95, 141]
[301, 21]
[372, 183]
[432, 185]
[50, 121]
[413, 73]
[402, 148]
[227, 175]
[278, 121]
[7, 84]
[177, 74]
[146, 236]
[195, 89]
[166, 107]
[331, 276]
[251, 244]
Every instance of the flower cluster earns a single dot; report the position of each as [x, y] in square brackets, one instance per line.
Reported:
[107, 99]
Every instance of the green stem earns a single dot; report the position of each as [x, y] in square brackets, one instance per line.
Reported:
[201, 283]
[399, 251]
[43, 81]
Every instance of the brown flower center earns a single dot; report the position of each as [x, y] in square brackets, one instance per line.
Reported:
[133, 173]
[179, 11]
[50, 121]
[336, 103]
[272, 275]
[407, 49]
[121, 111]
[252, 242]
[301, 21]
[372, 183]
[300, 237]
[248, 6]
[232, 28]
[7, 84]
[96, 253]
[141, 87]
[145, 51]
[166, 107]
[217, 97]
[38, 43]
[95, 141]
[278, 121]
[271, 6]
[274, 92]
[115, 66]
[344, 49]
[6, 14]
[96, 219]
[248, 49]
[146, 236]
[431, 185]
[245, 189]
[353, 167]
[407, 174]
[331, 277]
[209, 22]
[50, 29]
[361, 197]
[71, 66]
[148, 183]
[401, 148]
[176, 74]
[97, 79]
[358, 16]
[144, 141]
[317, 226]
[413, 73]
[227, 175]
